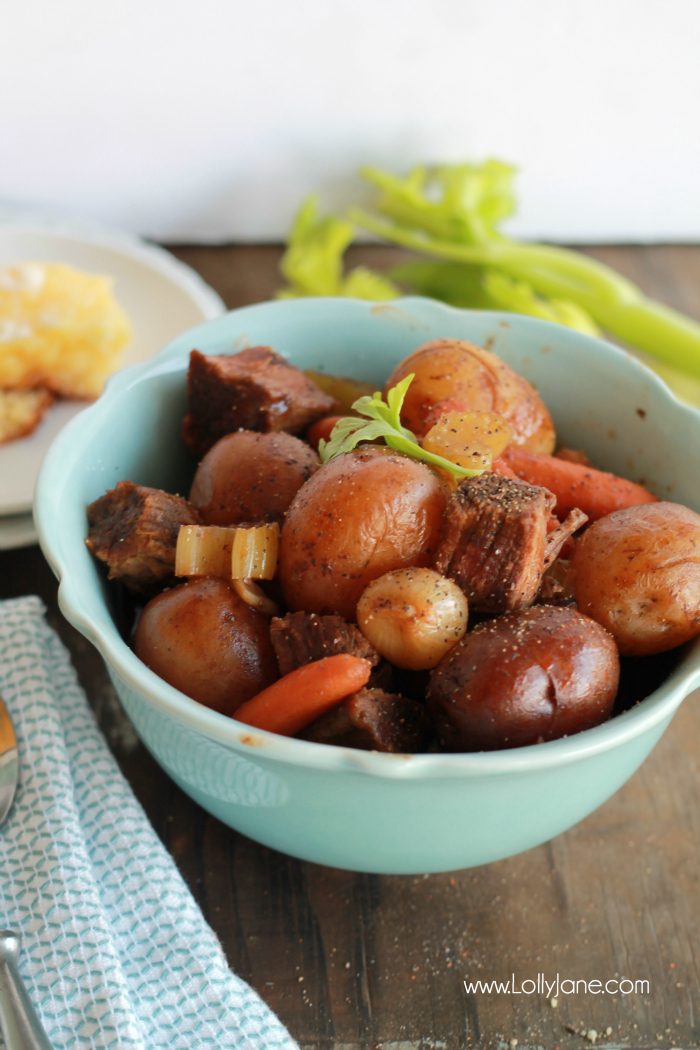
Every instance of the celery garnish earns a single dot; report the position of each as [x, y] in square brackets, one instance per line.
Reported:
[383, 421]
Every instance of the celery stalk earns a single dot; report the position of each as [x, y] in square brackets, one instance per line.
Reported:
[451, 215]
[612, 301]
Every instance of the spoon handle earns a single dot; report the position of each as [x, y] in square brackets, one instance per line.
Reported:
[19, 1023]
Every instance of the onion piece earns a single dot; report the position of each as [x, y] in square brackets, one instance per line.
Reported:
[470, 439]
[413, 617]
[255, 597]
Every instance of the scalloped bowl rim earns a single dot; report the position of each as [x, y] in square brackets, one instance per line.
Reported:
[643, 716]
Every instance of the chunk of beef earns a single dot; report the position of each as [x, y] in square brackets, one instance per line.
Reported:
[556, 587]
[560, 533]
[552, 592]
[493, 541]
[255, 389]
[299, 637]
[133, 530]
[372, 720]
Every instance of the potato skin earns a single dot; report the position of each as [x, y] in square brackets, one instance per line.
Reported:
[249, 477]
[526, 677]
[637, 572]
[361, 515]
[204, 640]
[455, 370]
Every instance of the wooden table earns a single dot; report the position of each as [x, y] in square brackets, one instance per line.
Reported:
[357, 961]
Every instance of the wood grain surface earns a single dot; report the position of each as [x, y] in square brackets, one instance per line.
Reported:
[353, 962]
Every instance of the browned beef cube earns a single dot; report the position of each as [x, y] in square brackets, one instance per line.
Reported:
[133, 530]
[493, 541]
[255, 389]
[372, 720]
[299, 637]
[559, 536]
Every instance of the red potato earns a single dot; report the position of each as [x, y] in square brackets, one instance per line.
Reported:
[204, 640]
[637, 572]
[459, 373]
[249, 477]
[359, 516]
[526, 677]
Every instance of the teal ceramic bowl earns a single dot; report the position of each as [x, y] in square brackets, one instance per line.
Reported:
[361, 810]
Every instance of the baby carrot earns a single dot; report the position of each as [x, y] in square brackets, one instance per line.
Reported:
[499, 466]
[441, 408]
[297, 699]
[595, 492]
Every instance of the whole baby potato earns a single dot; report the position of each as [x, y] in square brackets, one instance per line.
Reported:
[469, 378]
[637, 572]
[249, 477]
[361, 515]
[526, 677]
[204, 640]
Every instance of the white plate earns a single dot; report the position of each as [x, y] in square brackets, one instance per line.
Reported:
[17, 530]
[161, 295]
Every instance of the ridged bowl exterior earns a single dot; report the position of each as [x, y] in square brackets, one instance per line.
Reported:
[362, 810]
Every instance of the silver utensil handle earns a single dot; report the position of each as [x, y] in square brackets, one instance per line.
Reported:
[19, 1023]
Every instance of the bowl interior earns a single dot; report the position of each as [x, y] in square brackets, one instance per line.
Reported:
[602, 400]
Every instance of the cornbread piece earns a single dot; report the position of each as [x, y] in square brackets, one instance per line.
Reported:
[59, 328]
[299, 637]
[493, 541]
[21, 411]
[133, 530]
[255, 389]
[372, 720]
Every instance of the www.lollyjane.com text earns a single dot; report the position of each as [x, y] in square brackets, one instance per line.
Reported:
[558, 986]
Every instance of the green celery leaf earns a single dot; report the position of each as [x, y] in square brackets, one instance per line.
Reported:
[313, 261]
[475, 287]
[520, 298]
[455, 283]
[460, 203]
[384, 422]
[452, 215]
[363, 283]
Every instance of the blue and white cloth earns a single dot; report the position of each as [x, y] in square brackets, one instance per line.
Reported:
[115, 951]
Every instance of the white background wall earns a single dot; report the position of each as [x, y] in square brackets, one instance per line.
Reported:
[209, 120]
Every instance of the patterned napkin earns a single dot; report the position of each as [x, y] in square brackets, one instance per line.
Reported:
[115, 952]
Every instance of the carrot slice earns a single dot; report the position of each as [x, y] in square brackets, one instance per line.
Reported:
[595, 492]
[303, 695]
[441, 408]
[499, 466]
